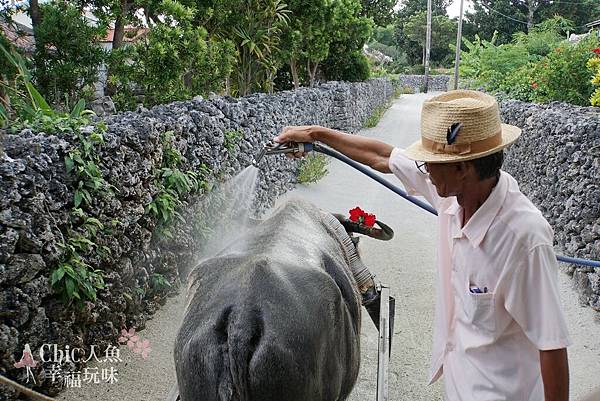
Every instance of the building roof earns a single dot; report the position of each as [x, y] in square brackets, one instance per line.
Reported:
[593, 24]
[19, 35]
[132, 34]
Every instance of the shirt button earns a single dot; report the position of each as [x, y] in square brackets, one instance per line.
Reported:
[449, 347]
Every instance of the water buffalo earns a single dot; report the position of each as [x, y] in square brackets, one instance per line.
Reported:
[276, 315]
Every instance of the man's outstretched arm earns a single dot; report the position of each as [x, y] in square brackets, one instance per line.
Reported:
[555, 374]
[369, 151]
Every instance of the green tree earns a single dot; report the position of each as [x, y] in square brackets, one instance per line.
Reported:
[67, 57]
[175, 61]
[508, 17]
[409, 8]
[580, 12]
[350, 32]
[489, 16]
[381, 11]
[255, 27]
[7, 75]
[385, 35]
[307, 37]
[443, 34]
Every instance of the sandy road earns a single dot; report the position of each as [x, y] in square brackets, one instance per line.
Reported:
[406, 263]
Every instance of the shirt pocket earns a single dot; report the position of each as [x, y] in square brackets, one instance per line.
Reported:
[479, 309]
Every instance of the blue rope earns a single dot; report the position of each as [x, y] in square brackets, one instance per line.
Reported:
[424, 205]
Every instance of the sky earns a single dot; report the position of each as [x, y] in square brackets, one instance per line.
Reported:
[454, 8]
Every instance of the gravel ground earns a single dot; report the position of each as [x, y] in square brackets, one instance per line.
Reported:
[406, 264]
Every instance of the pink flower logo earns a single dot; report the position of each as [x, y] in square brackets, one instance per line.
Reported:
[129, 338]
[135, 343]
[143, 347]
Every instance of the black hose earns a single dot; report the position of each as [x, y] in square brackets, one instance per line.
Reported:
[317, 147]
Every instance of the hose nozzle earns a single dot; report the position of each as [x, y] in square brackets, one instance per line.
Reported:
[273, 148]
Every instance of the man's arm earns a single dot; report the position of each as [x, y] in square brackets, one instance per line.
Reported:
[371, 152]
[555, 374]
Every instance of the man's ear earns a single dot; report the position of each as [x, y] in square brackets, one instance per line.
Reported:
[464, 169]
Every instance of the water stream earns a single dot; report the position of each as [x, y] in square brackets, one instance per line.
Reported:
[228, 210]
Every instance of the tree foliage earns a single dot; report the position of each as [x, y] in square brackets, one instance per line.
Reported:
[508, 17]
[539, 66]
[186, 47]
[381, 11]
[349, 32]
[175, 61]
[484, 22]
[67, 56]
[410, 10]
[443, 33]
[307, 37]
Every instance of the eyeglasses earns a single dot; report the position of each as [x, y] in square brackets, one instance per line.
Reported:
[422, 166]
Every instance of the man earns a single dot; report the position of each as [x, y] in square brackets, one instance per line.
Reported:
[499, 331]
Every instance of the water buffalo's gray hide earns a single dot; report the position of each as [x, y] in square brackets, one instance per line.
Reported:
[275, 317]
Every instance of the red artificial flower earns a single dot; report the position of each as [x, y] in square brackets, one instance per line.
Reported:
[356, 214]
[369, 220]
[596, 50]
[361, 217]
[534, 85]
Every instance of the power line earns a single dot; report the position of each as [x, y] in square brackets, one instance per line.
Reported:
[505, 16]
[587, 3]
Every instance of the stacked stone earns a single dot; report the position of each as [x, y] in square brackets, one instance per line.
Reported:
[36, 197]
[416, 82]
[557, 163]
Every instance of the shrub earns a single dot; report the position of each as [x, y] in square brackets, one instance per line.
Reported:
[562, 75]
[312, 168]
[594, 65]
[353, 67]
[418, 69]
[536, 67]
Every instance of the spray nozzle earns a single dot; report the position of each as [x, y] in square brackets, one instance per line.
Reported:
[274, 148]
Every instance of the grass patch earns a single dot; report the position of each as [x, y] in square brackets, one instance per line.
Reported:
[374, 118]
[312, 168]
[407, 90]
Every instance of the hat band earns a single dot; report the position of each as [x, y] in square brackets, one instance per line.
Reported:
[462, 148]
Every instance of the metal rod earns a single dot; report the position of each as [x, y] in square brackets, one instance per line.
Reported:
[458, 44]
[427, 48]
[383, 345]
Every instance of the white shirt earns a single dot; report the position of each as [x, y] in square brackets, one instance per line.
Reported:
[487, 344]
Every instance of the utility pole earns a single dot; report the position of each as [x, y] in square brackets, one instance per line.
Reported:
[458, 43]
[427, 47]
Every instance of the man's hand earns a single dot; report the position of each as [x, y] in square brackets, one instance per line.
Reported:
[554, 365]
[369, 151]
[300, 133]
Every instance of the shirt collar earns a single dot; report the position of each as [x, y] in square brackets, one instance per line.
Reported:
[479, 224]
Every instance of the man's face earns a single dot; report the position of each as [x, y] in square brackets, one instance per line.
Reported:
[448, 178]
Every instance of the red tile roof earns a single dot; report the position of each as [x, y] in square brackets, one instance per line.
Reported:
[132, 34]
[20, 36]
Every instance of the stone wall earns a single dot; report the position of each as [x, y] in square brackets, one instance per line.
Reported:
[436, 82]
[36, 197]
[557, 163]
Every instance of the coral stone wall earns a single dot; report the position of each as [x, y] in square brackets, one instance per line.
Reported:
[37, 195]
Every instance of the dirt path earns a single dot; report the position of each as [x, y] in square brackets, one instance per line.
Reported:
[406, 263]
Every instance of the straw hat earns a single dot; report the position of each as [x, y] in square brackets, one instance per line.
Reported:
[461, 125]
